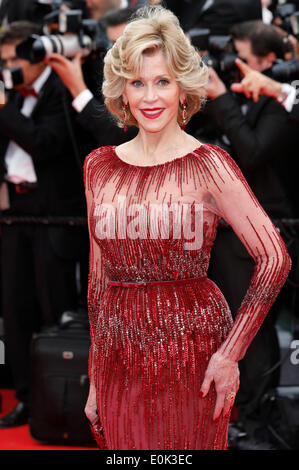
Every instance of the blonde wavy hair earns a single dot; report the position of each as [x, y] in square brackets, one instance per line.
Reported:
[153, 28]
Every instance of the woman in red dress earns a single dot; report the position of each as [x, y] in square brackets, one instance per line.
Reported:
[164, 348]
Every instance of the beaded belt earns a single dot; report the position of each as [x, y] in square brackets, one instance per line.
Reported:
[152, 283]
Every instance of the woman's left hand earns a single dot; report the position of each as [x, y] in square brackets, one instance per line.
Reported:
[225, 373]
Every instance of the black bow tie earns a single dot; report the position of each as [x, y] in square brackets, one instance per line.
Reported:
[28, 92]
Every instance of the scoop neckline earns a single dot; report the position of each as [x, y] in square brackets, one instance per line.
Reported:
[156, 164]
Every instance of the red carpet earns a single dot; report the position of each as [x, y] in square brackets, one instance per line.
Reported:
[19, 438]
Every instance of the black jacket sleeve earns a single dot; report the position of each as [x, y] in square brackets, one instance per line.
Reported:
[255, 144]
[294, 114]
[97, 120]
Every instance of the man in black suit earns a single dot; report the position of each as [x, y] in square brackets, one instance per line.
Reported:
[258, 132]
[40, 177]
[91, 113]
[264, 144]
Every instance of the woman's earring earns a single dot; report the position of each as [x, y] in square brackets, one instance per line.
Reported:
[125, 117]
[184, 115]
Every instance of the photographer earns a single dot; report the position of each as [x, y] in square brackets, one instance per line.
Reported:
[259, 134]
[264, 144]
[91, 112]
[39, 177]
[91, 125]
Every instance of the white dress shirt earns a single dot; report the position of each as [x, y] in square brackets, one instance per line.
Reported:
[19, 164]
[81, 100]
[288, 96]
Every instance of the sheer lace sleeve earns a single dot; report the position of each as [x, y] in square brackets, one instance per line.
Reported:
[96, 278]
[242, 211]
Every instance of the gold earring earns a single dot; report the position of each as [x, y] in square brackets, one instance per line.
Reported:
[125, 117]
[184, 115]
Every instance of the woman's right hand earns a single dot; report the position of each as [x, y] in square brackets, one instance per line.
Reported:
[224, 372]
[91, 406]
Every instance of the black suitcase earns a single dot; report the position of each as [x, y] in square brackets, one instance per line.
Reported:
[59, 383]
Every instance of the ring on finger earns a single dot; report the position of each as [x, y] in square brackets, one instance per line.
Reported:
[230, 396]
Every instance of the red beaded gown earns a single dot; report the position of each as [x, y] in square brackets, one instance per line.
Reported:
[150, 344]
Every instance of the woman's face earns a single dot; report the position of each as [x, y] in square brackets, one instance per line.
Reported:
[154, 96]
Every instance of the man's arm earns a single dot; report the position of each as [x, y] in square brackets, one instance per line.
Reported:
[91, 113]
[255, 84]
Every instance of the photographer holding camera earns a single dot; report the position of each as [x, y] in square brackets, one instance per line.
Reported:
[80, 44]
[91, 114]
[263, 142]
[39, 177]
[258, 132]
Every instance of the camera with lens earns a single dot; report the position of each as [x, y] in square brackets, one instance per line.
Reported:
[67, 33]
[11, 77]
[285, 71]
[44, 9]
[217, 52]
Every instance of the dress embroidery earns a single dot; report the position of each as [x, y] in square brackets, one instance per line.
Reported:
[151, 345]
